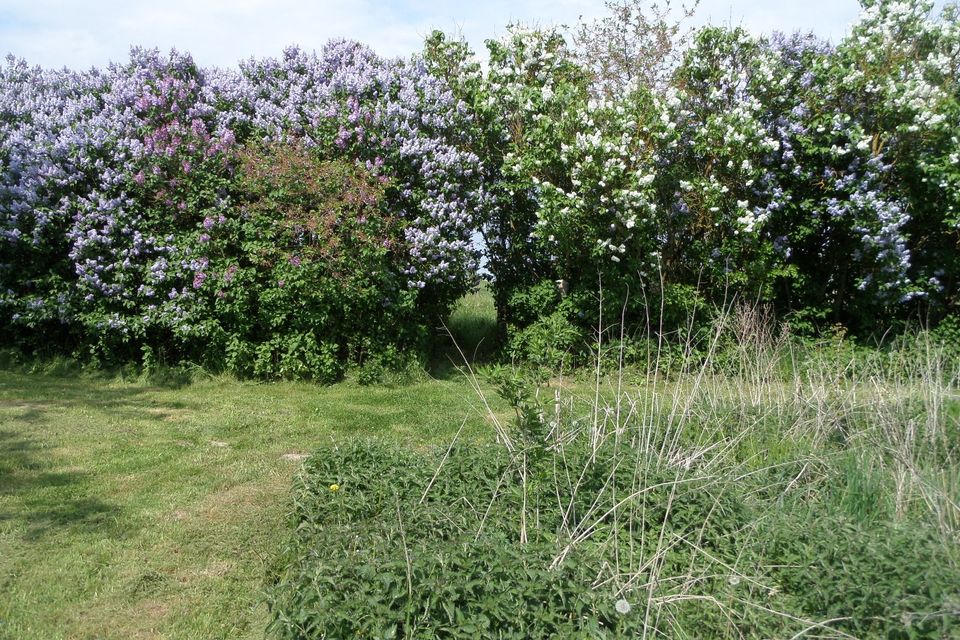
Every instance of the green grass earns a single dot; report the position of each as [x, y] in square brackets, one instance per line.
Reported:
[134, 508]
[731, 497]
[130, 510]
[473, 324]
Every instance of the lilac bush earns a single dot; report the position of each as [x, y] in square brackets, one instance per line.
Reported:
[823, 179]
[781, 169]
[117, 184]
[399, 121]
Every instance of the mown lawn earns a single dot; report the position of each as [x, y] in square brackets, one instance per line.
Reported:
[130, 510]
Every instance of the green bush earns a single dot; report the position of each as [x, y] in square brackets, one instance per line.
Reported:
[551, 342]
[948, 333]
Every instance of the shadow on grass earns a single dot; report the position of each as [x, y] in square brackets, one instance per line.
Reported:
[60, 367]
[470, 334]
[41, 499]
[37, 394]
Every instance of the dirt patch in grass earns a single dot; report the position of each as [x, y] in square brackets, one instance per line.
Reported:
[216, 569]
[236, 502]
[171, 414]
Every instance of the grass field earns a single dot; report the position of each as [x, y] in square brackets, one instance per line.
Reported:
[155, 507]
[763, 488]
[129, 510]
[473, 324]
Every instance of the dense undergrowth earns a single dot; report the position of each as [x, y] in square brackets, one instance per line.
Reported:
[765, 493]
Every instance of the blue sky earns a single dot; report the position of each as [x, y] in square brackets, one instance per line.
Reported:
[58, 33]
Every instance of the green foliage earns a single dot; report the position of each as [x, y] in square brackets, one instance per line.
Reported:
[542, 330]
[307, 280]
[388, 543]
[947, 333]
[762, 488]
[384, 363]
[881, 580]
[552, 342]
[384, 547]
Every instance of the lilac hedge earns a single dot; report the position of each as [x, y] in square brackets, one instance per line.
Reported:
[295, 214]
[127, 221]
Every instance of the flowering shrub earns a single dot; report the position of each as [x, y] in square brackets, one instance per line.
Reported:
[781, 169]
[98, 191]
[311, 253]
[517, 106]
[401, 122]
[900, 67]
[822, 179]
[131, 204]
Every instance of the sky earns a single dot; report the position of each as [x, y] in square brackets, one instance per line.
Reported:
[62, 33]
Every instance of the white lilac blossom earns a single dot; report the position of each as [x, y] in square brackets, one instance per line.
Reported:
[763, 161]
